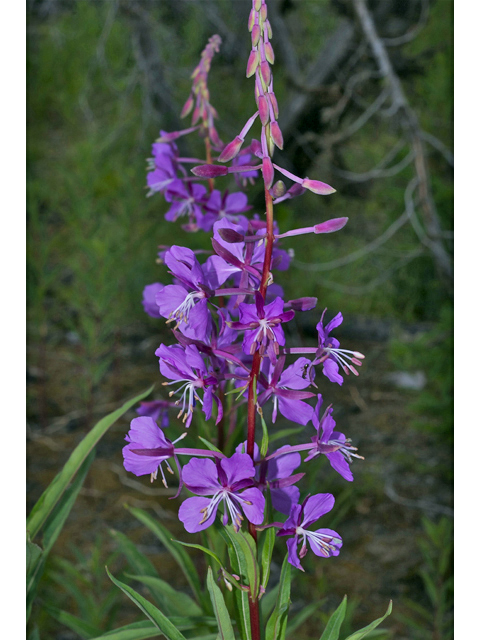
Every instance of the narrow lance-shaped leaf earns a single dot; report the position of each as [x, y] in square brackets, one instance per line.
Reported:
[154, 614]
[177, 603]
[332, 629]
[220, 609]
[52, 529]
[58, 486]
[177, 552]
[277, 623]
[267, 552]
[239, 567]
[361, 633]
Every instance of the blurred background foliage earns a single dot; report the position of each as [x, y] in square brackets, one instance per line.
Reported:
[103, 78]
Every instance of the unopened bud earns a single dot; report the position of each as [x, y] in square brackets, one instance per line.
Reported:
[263, 12]
[329, 226]
[274, 103]
[231, 150]
[257, 5]
[320, 188]
[263, 110]
[267, 170]
[302, 304]
[278, 189]
[265, 72]
[270, 56]
[252, 63]
[256, 148]
[255, 35]
[268, 27]
[276, 134]
[230, 235]
[251, 19]
[209, 171]
[187, 107]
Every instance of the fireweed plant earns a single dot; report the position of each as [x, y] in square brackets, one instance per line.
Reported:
[227, 316]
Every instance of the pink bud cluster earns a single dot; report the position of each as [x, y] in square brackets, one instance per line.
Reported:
[199, 98]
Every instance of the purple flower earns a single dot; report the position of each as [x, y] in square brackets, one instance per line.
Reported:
[261, 324]
[229, 480]
[228, 205]
[148, 448]
[285, 388]
[163, 167]
[333, 444]
[277, 474]
[323, 542]
[185, 366]
[331, 355]
[176, 302]
[187, 199]
[149, 302]
[156, 409]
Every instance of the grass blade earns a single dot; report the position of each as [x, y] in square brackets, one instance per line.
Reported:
[332, 629]
[361, 633]
[52, 494]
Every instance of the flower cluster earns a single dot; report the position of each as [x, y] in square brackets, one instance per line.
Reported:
[230, 323]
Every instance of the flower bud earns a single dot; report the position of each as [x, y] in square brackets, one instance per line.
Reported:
[255, 35]
[251, 19]
[256, 148]
[265, 72]
[329, 226]
[263, 12]
[270, 56]
[230, 235]
[267, 170]
[257, 5]
[320, 188]
[274, 103]
[276, 134]
[209, 171]
[231, 150]
[263, 110]
[278, 189]
[268, 28]
[187, 107]
[302, 304]
[252, 63]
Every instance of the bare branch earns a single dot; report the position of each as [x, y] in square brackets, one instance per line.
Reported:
[411, 125]
[412, 33]
[439, 146]
[377, 172]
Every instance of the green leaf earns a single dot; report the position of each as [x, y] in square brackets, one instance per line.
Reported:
[176, 602]
[34, 553]
[52, 494]
[266, 554]
[264, 443]
[53, 525]
[277, 623]
[83, 629]
[137, 560]
[268, 601]
[284, 433]
[221, 612]
[332, 629]
[300, 618]
[154, 614]
[135, 631]
[177, 552]
[199, 546]
[209, 445]
[361, 633]
[246, 544]
[240, 598]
